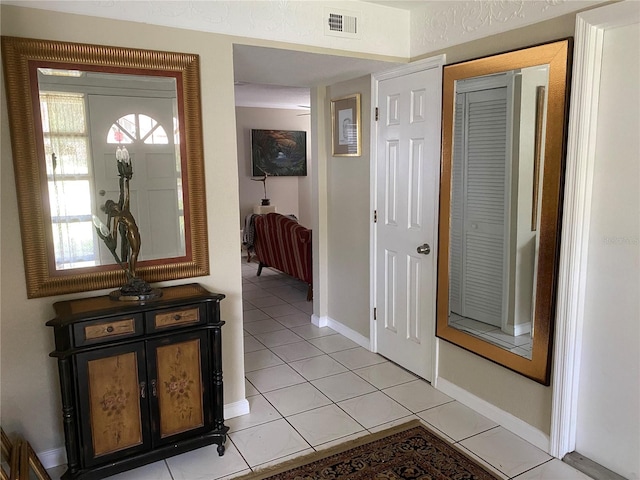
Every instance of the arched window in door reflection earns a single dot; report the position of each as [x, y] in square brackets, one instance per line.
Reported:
[137, 126]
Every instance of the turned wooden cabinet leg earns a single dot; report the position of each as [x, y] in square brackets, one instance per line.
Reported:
[217, 393]
[68, 413]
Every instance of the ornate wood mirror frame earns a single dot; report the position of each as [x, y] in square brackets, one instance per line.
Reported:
[22, 58]
[554, 58]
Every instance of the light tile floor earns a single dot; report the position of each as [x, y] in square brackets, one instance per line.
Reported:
[520, 344]
[310, 388]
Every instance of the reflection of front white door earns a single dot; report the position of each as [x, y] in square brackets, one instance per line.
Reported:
[407, 186]
[155, 189]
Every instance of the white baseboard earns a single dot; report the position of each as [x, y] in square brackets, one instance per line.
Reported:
[522, 328]
[517, 330]
[58, 456]
[236, 409]
[341, 329]
[505, 419]
[52, 458]
[319, 321]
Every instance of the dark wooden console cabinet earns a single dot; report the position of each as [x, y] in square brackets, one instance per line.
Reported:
[140, 381]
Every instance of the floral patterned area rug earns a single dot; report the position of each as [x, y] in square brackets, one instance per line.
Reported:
[408, 451]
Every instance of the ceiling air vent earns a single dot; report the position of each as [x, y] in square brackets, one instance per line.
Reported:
[340, 23]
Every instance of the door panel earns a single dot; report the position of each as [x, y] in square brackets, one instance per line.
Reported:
[390, 291]
[416, 193]
[112, 397]
[408, 161]
[414, 297]
[391, 183]
[180, 392]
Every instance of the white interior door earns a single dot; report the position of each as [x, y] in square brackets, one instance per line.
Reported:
[156, 195]
[406, 201]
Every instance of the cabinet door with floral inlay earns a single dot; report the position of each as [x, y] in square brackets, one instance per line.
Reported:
[112, 394]
[179, 382]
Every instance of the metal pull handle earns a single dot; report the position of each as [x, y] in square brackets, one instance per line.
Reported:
[177, 317]
[154, 390]
[424, 249]
[143, 389]
[101, 193]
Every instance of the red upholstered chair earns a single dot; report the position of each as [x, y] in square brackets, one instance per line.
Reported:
[282, 243]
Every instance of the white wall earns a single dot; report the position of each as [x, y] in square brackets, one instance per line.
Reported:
[288, 194]
[608, 425]
[526, 243]
[382, 30]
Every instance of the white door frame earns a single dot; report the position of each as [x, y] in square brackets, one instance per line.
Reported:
[417, 66]
[583, 122]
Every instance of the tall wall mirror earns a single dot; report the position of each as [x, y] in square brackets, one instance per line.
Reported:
[71, 108]
[504, 128]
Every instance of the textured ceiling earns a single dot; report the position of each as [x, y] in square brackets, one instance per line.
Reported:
[271, 96]
[271, 77]
[401, 4]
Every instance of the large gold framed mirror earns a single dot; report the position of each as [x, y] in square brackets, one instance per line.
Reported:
[503, 146]
[71, 107]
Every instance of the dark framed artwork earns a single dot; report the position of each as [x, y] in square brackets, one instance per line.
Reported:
[346, 130]
[278, 153]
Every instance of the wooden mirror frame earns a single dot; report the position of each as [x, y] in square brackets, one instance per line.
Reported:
[20, 55]
[557, 55]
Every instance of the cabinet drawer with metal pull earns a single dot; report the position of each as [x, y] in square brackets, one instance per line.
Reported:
[173, 318]
[108, 329]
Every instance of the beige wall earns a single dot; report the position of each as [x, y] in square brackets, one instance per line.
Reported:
[348, 221]
[286, 193]
[30, 396]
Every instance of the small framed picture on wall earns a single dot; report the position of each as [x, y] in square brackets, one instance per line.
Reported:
[345, 126]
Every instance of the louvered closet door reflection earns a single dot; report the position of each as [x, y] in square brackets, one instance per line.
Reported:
[479, 220]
